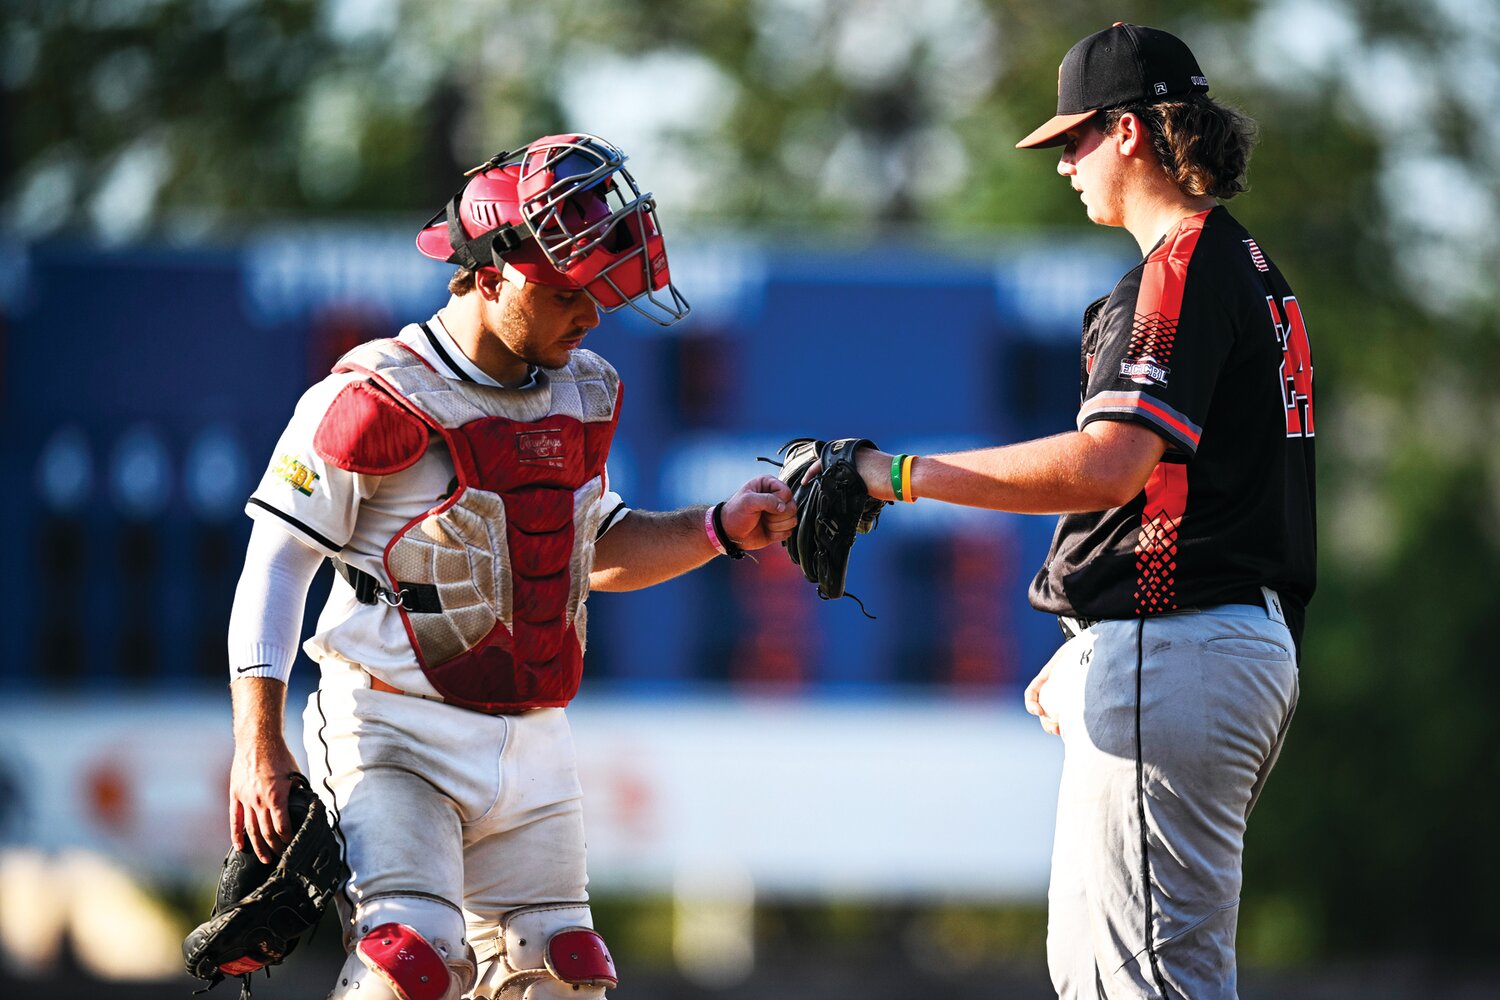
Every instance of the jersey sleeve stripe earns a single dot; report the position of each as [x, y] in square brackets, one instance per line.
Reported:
[1108, 405]
[318, 539]
[609, 519]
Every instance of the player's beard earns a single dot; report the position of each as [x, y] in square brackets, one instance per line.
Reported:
[552, 352]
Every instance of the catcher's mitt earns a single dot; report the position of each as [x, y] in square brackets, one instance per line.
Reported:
[832, 508]
[262, 910]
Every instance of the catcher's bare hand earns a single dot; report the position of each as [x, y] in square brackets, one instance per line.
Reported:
[761, 513]
[259, 781]
[1034, 701]
[262, 910]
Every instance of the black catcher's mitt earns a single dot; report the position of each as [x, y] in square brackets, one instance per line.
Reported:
[262, 910]
[832, 508]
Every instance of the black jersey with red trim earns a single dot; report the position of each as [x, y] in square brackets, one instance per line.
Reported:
[1204, 343]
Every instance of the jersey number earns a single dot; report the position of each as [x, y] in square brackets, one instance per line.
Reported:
[1296, 366]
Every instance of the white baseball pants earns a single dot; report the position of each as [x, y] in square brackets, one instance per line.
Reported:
[480, 812]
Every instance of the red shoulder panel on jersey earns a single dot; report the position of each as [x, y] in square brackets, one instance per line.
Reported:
[1158, 306]
[368, 432]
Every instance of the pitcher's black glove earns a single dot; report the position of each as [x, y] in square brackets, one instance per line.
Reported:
[832, 508]
[262, 910]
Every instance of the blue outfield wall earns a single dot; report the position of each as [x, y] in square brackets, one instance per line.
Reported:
[143, 391]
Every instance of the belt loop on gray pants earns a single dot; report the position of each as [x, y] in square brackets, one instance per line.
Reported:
[1273, 605]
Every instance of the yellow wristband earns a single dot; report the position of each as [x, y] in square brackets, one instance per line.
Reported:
[911, 494]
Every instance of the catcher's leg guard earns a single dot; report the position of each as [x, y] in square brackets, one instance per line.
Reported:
[407, 948]
[548, 952]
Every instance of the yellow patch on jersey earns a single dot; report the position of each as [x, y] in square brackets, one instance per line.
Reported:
[296, 473]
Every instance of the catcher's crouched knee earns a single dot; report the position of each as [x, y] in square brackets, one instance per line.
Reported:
[548, 952]
[406, 948]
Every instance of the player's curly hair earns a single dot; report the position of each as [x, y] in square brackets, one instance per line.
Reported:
[462, 282]
[1203, 145]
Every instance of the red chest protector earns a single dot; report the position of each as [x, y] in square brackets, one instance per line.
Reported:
[492, 580]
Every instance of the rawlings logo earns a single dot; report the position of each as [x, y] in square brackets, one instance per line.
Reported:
[297, 475]
[1160, 88]
[543, 447]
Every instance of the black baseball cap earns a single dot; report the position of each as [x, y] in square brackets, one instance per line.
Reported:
[1123, 64]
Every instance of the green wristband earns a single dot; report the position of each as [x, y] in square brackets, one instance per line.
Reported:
[896, 475]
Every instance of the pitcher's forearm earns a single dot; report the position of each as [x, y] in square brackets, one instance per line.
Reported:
[1103, 466]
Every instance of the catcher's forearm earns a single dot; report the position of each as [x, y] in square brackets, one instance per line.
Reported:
[1103, 466]
[646, 548]
[259, 712]
[263, 764]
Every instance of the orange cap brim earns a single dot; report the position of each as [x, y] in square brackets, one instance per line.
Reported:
[1051, 133]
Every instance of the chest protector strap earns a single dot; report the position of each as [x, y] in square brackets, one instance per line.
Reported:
[419, 597]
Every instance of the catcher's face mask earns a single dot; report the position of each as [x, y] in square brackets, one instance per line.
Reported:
[563, 211]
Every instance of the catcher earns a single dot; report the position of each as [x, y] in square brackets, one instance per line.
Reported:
[456, 477]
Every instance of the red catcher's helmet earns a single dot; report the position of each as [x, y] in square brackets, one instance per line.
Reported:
[565, 212]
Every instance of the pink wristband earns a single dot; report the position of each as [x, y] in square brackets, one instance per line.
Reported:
[713, 536]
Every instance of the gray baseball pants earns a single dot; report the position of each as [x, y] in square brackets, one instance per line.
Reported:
[1170, 726]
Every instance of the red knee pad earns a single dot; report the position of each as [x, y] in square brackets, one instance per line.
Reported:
[579, 957]
[404, 959]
